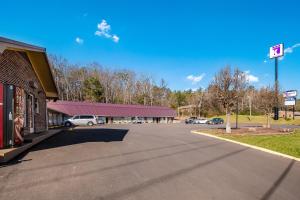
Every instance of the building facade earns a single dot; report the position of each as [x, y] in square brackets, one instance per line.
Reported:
[26, 82]
[110, 113]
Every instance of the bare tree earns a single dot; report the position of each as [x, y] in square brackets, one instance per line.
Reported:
[265, 100]
[228, 87]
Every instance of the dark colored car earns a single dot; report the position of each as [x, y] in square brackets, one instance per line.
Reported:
[216, 121]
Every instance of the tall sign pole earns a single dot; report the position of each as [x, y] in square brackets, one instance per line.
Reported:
[276, 90]
[276, 52]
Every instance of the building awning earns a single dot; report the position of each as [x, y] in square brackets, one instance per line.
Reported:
[39, 62]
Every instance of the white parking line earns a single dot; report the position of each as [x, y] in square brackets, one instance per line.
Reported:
[248, 145]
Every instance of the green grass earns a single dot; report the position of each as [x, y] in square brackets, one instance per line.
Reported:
[261, 120]
[287, 144]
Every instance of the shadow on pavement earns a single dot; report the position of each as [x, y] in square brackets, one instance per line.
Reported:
[79, 136]
[76, 136]
[34, 183]
[273, 188]
[109, 156]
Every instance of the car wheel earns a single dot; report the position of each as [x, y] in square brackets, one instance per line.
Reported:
[68, 124]
[90, 123]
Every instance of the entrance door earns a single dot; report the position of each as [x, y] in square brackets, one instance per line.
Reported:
[8, 115]
[31, 113]
[1, 117]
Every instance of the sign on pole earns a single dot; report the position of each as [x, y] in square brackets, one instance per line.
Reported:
[290, 93]
[290, 101]
[276, 51]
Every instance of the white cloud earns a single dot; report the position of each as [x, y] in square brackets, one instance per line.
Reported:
[192, 89]
[195, 79]
[115, 38]
[265, 61]
[104, 30]
[289, 50]
[250, 77]
[79, 40]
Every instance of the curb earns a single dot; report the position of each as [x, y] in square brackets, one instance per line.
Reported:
[10, 154]
[249, 145]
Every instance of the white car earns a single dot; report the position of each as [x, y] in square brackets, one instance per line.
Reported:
[138, 120]
[200, 121]
[81, 120]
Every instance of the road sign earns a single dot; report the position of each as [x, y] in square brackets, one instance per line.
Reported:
[276, 51]
[290, 101]
[290, 93]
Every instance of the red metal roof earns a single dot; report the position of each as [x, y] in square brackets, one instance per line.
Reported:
[111, 110]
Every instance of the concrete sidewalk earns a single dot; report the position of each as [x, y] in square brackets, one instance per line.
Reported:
[8, 154]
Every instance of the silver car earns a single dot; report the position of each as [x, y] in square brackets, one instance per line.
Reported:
[81, 120]
[200, 121]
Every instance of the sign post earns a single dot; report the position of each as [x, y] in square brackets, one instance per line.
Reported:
[276, 52]
[293, 112]
[290, 99]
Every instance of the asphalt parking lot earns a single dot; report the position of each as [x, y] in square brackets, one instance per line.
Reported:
[148, 161]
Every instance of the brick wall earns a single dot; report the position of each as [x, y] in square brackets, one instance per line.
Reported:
[16, 69]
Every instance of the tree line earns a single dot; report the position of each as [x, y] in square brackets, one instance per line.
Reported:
[94, 83]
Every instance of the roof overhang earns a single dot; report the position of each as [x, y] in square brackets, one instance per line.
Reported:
[39, 62]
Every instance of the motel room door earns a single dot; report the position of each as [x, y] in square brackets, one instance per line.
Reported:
[30, 113]
[1, 117]
[7, 110]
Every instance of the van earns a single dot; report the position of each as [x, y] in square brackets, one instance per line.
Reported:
[81, 120]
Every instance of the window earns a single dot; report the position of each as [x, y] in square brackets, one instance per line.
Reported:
[76, 117]
[50, 118]
[86, 117]
[36, 105]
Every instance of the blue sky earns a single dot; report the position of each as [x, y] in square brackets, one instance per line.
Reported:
[184, 42]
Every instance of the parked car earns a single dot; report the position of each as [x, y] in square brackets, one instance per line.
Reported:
[200, 121]
[190, 120]
[81, 120]
[137, 120]
[216, 121]
[100, 121]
